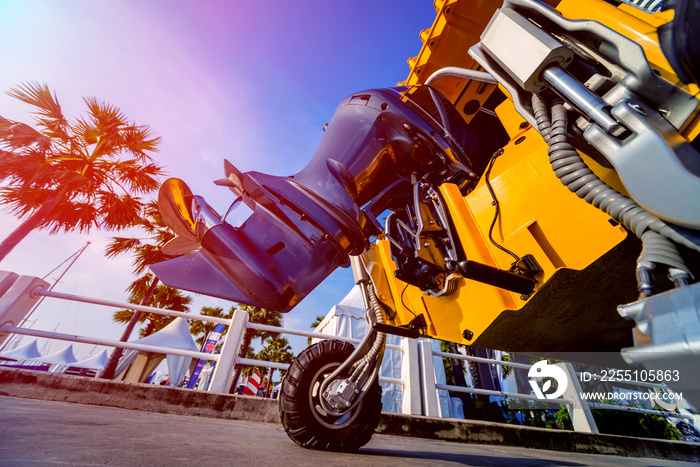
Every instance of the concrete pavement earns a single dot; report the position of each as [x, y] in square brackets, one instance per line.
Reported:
[39, 433]
[162, 399]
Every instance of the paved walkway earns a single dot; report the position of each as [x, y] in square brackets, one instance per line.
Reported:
[39, 433]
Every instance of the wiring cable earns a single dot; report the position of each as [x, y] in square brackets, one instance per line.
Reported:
[496, 205]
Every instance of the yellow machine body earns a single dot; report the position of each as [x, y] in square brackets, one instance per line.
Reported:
[587, 259]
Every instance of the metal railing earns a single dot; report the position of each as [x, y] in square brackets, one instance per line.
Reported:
[579, 408]
[420, 389]
[23, 291]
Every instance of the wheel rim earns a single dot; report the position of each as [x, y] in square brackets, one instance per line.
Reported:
[334, 422]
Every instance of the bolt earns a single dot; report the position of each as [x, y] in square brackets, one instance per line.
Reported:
[467, 334]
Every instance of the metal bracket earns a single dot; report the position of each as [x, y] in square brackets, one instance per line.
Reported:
[659, 169]
[637, 75]
[667, 337]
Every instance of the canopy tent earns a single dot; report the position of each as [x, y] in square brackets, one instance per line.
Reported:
[30, 350]
[347, 319]
[65, 356]
[96, 362]
[175, 335]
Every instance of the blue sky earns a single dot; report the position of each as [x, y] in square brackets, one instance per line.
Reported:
[253, 82]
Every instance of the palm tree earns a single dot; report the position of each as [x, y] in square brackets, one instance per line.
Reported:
[73, 175]
[203, 328]
[259, 316]
[248, 371]
[277, 350]
[473, 368]
[146, 251]
[164, 297]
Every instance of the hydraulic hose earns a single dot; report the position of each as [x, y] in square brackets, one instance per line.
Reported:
[657, 249]
[363, 366]
[573, 172]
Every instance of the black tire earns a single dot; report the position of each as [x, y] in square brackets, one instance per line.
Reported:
[305, 422]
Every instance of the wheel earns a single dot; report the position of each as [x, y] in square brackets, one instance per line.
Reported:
[303, 417]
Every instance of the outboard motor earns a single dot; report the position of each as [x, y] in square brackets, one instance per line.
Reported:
[305, 225]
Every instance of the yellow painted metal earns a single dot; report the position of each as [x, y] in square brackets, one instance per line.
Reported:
[539, 215]
[457, 27]
[633, 23]
[641, 27]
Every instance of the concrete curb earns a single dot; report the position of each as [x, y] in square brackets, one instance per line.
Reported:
[149, 398]
[480, 432]
[135, 396]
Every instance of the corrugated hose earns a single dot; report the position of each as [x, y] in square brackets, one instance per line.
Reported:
[570, 168]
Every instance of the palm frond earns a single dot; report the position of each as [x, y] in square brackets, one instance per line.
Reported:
[147, 255]
[140, 178]
[104, 114]
[119, 245]
[71, 216]
[47, 107]
[15, 135]
[137, 289]
[139, 140]
[118, 211]
[86, 133]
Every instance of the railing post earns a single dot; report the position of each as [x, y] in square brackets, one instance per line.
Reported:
[220, 379]
[580, 412]
[431, 405]
[410, 374]
[16, 298]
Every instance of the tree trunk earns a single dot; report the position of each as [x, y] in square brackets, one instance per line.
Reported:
[111, 366]
[269, 383]
[247, 337]
[457, 367]
[474, 369]
[26, 227]
[458, 375]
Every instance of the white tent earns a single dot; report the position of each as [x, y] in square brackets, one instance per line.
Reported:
[346, 319]
[65, 356]
[30, 350]
[96, 362]
[175, 335]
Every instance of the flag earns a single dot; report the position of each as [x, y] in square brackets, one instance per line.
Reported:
[209, 347]
[251, 388]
